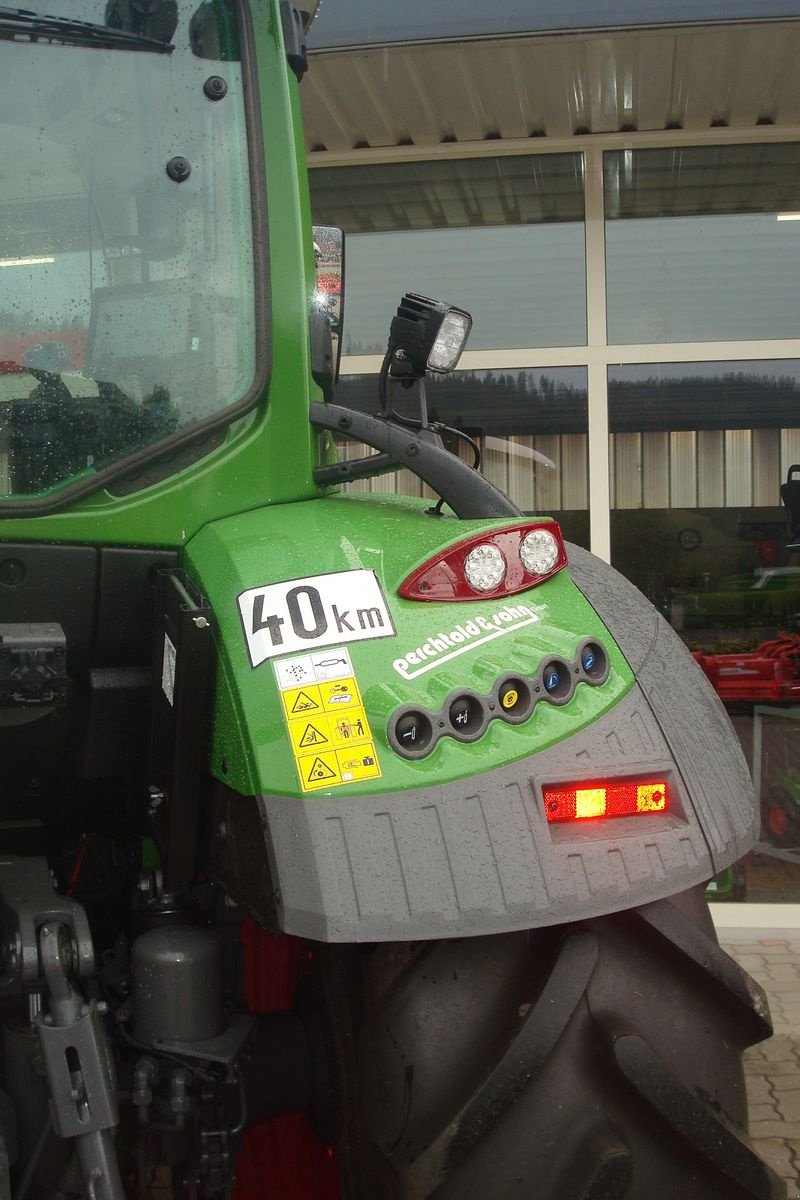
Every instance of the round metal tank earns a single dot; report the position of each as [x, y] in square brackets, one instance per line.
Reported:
[177, 985]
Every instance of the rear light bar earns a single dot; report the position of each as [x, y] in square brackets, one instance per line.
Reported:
[585, 801]
[490, 564]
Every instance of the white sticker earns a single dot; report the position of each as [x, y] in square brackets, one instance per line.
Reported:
[305, 614]
[332, 664]
[168, 670]
[313, 668]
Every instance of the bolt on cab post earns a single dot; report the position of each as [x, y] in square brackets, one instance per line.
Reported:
[352, 846]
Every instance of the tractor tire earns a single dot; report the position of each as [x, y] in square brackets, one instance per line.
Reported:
[595, 1061]
[780, 819]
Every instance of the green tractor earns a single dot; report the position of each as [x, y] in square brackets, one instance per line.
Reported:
[352, 845]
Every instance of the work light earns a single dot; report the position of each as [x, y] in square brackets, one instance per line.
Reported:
[426, 335]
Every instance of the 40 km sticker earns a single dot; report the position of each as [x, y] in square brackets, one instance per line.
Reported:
[303, 614]
[328, 728]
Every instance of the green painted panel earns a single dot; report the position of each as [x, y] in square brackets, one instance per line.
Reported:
[434, 649]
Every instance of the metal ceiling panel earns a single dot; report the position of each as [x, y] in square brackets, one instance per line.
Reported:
[553, 86]
[351, 23]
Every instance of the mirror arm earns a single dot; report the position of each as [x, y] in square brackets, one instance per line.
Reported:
[469, 494]
[355, 468]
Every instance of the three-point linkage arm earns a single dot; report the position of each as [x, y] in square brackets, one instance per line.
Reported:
[47, 949]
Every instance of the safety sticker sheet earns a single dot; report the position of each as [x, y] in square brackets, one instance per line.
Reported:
[329, 733]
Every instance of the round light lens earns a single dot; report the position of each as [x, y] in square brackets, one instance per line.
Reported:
[539, 552]
[484, 568]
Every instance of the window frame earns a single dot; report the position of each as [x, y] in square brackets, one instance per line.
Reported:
[598, 354]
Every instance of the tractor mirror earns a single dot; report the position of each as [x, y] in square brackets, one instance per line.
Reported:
[329, 291]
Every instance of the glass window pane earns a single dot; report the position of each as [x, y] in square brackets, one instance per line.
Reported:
[501, 237]
[700, 245]
[127, 298]
[704, 524]
[530, 427]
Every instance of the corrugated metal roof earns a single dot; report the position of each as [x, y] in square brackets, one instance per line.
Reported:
[378, 22]
[553, 86]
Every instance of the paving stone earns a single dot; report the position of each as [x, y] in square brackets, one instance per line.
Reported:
[772, 1068]
[786, 1068]
[783, 973]
[779, 987]
[777, 1154]
[772, 1129]
[759, 1091]
[779, 1013]
[789, 1104]
[778, 1049]
[759, 1113]
[754, 965]
[781, 1083]
[790, 1012]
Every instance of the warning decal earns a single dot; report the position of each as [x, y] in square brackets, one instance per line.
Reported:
[312, 736]
[315, 771]
[302, 700]
[328, 728]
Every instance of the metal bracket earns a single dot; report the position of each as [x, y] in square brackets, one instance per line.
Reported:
[294, 38]
[46, 946]
[74, 1047]
[468, 493]
[33, 659]
[80, 1071]
[28, 901]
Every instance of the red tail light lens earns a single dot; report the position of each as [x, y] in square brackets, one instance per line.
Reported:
[490, 564]
[583, 801]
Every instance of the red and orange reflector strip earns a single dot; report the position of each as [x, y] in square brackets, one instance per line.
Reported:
[591, 800]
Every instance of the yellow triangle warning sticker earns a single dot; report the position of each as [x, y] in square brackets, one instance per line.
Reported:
[304, 703]
[319, 771]
[313, 736]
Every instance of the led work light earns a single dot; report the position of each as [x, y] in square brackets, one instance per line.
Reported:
[426, 335]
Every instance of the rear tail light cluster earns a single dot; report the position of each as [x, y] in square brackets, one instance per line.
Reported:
[490, 564]
[585, 801]
[465, 715]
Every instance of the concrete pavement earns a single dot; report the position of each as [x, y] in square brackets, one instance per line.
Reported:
[772, 1069]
